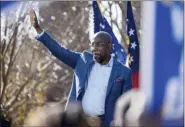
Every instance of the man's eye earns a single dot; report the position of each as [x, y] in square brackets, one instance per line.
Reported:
[97, 44]
[100, 44]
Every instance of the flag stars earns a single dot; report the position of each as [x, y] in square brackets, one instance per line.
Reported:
[122, 50]
[127, 20]
[102, 26]
[132, 59]
[133, 45]
[131, 32]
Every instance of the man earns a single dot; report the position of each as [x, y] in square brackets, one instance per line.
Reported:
[99, 79]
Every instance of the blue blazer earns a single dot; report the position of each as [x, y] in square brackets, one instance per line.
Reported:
[119, 81]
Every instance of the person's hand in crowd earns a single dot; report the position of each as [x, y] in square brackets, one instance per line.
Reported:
[129, 108]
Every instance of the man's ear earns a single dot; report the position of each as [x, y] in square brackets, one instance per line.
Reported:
[110, 44]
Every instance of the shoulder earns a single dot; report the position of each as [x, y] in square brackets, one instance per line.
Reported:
[123, 67]
[86, 55]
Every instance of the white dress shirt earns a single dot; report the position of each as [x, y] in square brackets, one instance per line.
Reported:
[93, 102]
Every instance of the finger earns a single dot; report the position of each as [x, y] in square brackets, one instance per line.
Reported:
[32, 13]
[32, 10]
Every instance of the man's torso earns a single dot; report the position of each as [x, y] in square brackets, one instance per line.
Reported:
[93, 102]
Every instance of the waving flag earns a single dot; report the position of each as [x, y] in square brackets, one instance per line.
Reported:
[101, 24]
[133, 49]
[162, 60]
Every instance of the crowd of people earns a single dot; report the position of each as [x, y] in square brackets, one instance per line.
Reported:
[53, 114]
[129, 111]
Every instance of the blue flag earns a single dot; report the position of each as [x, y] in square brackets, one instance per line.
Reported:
[162, 60]
[101, 24]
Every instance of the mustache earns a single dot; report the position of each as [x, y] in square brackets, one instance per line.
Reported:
[96, 51]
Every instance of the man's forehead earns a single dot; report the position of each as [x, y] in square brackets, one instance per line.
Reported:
[97, 39]
[102, 36]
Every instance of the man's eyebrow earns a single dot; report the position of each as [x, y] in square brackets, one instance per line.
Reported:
[97, 42]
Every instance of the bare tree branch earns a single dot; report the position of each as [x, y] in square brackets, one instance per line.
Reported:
[5, 77]
[23, 86]
[11, 39]
[4, 40]
[19, 92]
[110, 3]
[121, 33]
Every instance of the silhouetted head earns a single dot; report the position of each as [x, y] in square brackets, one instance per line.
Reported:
[101, 46]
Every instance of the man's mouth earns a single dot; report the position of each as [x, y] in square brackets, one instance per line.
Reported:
[96, 55]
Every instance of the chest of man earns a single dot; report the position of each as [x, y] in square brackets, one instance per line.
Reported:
[93, 101]
[86, 72]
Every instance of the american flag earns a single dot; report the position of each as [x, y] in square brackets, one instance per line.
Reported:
[101, 24]
[133, 48]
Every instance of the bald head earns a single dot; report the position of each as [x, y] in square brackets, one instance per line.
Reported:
[106, 37]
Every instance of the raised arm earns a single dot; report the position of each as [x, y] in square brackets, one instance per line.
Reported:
[68, 57]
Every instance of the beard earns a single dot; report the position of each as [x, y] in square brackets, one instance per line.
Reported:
[99, 59]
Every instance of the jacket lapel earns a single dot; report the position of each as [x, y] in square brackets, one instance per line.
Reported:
[113, 75]
[84, 78]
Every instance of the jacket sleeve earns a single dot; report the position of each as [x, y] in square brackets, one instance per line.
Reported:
[68, 57]
[128, 82]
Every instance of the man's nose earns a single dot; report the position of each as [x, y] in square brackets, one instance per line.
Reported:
[93, 48]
